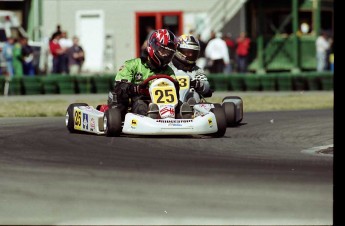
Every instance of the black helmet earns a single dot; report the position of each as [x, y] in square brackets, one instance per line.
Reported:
[188, 49]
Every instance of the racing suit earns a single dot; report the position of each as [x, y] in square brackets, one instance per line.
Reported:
[197, 77]
[132, 73]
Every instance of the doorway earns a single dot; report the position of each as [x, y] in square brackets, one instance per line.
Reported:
[90, 30]
[157, 20]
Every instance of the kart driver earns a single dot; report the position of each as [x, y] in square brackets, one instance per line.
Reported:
[184, 63]
[159, 52]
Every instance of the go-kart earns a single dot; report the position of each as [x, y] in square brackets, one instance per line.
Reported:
[232, 105]
[205, 119]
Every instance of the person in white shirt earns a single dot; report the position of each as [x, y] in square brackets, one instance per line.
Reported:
[322, 46]
[217, 54]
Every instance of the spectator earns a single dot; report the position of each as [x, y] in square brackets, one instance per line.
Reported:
[201, 61]
[217, 54]
[76, 57]
[242, 52]
[213, 36]
[7, 53]
[27, 57]
[149, 31]
[323, 44]
[230, 43]
[65, 44]
[56, 51]
[58, 30]
[17, 59]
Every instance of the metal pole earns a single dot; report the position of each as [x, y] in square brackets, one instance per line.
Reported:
[316, 17]
[295, 45]
[260, 41]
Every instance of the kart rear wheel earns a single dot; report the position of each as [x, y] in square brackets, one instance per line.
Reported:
[230, 113]
[69, 120]
[239, 114]
[232, 97]
[112, 122]
[219, 113]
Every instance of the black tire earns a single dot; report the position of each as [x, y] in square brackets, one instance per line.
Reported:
[230, 113]
[232, 97]
[112, 122]
[218, 111]
[238, 98]
[70, 116]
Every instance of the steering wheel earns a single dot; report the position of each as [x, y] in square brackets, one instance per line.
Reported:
[143, 85]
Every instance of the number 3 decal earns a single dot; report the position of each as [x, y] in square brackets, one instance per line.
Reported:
[183, 81]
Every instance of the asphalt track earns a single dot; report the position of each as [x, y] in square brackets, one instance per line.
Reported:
[260, 173]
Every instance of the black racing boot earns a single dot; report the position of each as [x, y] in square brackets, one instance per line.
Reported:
[186, 111]
[139, 107]
[153, 111]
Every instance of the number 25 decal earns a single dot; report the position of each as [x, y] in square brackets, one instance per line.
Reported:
[164, 95]
[77, 119]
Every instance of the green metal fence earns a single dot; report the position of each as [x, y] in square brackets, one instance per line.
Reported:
[64, 84]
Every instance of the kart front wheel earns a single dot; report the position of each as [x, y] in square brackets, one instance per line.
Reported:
[69, 119]
[112, 122]
[219, 113]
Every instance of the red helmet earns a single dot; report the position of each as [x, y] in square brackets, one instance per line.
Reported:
[161, 47]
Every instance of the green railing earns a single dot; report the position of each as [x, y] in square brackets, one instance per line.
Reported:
[64, 84]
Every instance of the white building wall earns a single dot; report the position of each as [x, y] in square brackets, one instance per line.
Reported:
[119, 17]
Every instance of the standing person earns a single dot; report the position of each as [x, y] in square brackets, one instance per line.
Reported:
[217, 54]
[160, 50]
[27, 57]
[65, 44]
[184, 63]
[76, 57]
[201, 61]
[323, 44]
[242, 52]
[149, 31]
[7, 53]
[17, 59]
[230, 43]
[57, 31]
[56, 51]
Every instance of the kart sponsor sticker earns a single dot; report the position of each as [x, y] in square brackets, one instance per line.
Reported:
[175, 124]
[134, 123]
[85, 121]
[174, 120]
[183, 81]
[163, 84]
[139, 76]
[92, 124]
[77, 119]
[210, 123]
[167, 111]
[207, 107]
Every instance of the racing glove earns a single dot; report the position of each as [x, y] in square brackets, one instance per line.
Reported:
[134, 90]
[197, 84]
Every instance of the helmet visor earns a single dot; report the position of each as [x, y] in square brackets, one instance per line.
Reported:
[188, 55]
[164, 54]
